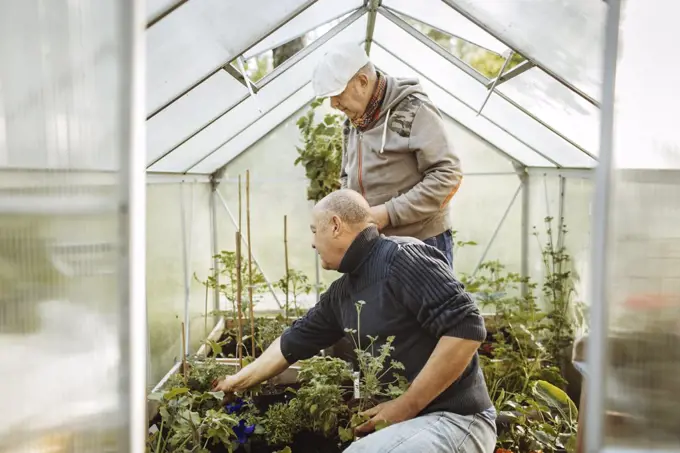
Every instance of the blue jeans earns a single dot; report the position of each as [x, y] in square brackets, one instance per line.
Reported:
[439, 432]
[444, 242]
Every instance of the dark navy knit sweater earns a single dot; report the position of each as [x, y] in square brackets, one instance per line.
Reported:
[409, 293]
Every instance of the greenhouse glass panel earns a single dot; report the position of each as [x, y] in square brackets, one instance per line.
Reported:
[319, 13]
[195, 40]
[51, 117]
[564, 37]
[243, 115]
[647, 108]
[472, 93]
[557, 106]
[442, 17]
[156, 8]
[460, 111]
[255, 131]
[536, 135]
[191, 112]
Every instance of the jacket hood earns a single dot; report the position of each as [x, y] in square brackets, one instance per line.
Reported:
[397, 89]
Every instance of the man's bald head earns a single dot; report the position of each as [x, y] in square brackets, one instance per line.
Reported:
[337, 220]
[348, 205]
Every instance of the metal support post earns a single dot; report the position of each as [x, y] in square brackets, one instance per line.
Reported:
[133, 328]
[560, 219]
[495, 233]
[245, 242]
[512, 73]
[372, 6]
[215, 246]
[597, 355]
[524, 240]
[186, 266]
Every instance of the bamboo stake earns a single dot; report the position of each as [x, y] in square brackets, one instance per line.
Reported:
[250, 266]
[285, 252]
[184, 353]
[240, 222]
[239, 289]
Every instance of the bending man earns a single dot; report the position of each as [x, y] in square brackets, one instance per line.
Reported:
[409, 293]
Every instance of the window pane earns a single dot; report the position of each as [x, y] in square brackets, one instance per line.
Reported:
[200, 36]
[470, 92]
[191, 112]
[564, 36]
[557, 106]
[318, 14]
[441, 16]
[240, 117]
[255, 131]
[460, 112]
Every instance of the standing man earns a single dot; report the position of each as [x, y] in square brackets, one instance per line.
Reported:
[409, 293]
[396, 152]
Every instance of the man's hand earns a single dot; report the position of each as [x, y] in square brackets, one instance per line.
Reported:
[380, 216]
[395, 411]
[226, 385]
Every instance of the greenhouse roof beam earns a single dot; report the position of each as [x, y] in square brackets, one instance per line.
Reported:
[372, 7]
[453, 4]
[401, 23]
[512, 73]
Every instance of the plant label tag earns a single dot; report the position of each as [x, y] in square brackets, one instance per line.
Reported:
[357, 394]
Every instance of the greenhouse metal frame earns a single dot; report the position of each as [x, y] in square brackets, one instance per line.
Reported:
[188, 112]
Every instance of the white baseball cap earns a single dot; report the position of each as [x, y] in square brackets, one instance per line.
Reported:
[336, 69]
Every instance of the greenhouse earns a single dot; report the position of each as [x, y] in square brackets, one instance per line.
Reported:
[160, 161]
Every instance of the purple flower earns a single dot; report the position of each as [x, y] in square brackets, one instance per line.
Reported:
[242, 431]
[236, 406]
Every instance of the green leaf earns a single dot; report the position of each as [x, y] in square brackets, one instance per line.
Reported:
[217, 395]
[172, 393]
[285, 450]
[556, 398]
[313, 408]
[346, 434]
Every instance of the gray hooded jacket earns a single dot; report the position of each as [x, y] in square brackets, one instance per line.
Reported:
[405, 161]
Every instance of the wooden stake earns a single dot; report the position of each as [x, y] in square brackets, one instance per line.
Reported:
[240, 222]
[250, 266]
[184, 353]
[285, 253]
[239, 290]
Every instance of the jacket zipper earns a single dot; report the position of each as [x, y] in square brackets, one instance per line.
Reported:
[360, 167]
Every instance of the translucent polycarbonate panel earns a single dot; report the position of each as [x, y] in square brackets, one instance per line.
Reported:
[318, 14]
[536, 135]
[643, 256]
[557, 106]
[472, 93]
[65, 78]
[184, 117]
[155, 8]
[564, 36]
[240, 117]
[461, 112]
[255, 131]
[437, 14]
[56, 80]
[165, 273]
[647, 106]
[201, 36]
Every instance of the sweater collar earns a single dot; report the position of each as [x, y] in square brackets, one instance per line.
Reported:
[359, 250]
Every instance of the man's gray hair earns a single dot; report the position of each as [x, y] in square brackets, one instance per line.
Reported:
[348, 205]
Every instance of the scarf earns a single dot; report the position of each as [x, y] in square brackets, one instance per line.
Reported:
[373, 108]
